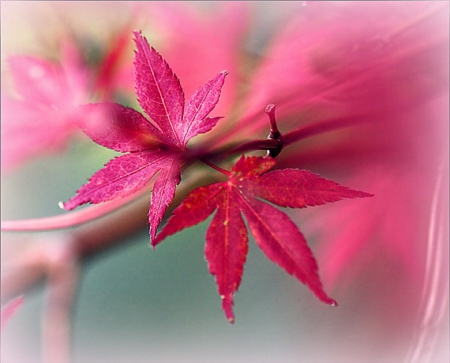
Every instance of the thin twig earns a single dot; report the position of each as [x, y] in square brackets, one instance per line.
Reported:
[70, 219]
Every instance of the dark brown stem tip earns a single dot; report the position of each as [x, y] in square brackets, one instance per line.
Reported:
[274, 133]
[270, 110]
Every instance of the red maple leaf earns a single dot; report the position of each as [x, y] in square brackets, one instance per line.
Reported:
[152, 145]
[274, 232]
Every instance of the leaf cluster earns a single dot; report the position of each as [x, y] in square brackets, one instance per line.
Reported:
[155, 148]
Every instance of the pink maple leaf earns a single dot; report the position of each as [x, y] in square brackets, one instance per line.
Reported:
[154, 145]
[274, 232]
[44, 114]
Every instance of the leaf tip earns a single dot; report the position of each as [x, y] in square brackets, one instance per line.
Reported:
[154, 241]
[67, 205]
[137, 33]
[359, 194]
[325, 298]
[333, 302]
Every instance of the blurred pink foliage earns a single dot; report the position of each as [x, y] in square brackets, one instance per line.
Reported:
[41, 114]
[40, 110]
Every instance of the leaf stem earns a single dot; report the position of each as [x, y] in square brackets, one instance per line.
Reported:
[270, 110]
[289, 138]
[254, 145]
[215, 167]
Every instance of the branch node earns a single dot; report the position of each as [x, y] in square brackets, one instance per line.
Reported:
[274, 133]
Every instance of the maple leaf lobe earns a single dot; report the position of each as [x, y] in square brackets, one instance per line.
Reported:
[296, 188]
[226, 249]
[119, 178]
[201, 103]
[158, 89]
[162, 98]
[119, 128]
